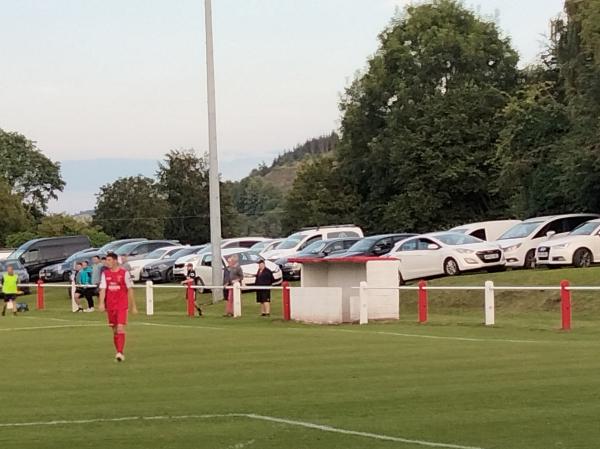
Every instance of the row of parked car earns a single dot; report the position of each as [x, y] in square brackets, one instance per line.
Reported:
[552, 241]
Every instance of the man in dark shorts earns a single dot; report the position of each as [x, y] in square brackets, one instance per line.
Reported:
[264, 278]
[10, 290]
[116, 297]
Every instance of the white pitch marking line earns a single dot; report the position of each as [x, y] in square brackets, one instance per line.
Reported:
[61, 326]
[435, 337]
[253, 416]
[180, 326]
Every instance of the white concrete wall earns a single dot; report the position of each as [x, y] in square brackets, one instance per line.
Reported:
[383, 304]
[318, 305]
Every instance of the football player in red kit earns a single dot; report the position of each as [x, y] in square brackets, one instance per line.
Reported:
[116, 297]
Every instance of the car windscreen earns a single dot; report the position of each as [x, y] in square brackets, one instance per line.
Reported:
[16, 254]
[4, 264]
[315, 247]
[291, 242]
[126, 249]
[521, 230]
[586, 228]
[454, 239]
[258, 247]
[363, 245]
[156, 254]
[185, 252]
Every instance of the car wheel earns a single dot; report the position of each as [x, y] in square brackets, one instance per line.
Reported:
[169, 275]
[451, 267]
[530, 260]
[401, 280]
[582, 258]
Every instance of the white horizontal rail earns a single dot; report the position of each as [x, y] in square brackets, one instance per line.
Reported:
[477, 288]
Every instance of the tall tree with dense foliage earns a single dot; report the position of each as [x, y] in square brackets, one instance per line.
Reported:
[56, 225]
[28, 172]
[419, 127]
[183, 181]
[259, 205]
[319, 197]
[132, 207]
[13, 216]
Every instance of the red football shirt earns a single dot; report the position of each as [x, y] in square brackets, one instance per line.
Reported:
[116, 283]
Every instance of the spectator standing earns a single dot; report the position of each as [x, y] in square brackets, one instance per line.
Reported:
[10, 290]
[264, 277]
[192, 278]
[77, 277]
[233, 273]
[96, 273]
[86, 274]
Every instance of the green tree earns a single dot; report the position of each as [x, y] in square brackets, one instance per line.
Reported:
[18, 238]
[56, 225]
[13, 216]
[319, 197]
[183, 181]
[28, 172]
[132, 207]
[419, 127]
[259, 204]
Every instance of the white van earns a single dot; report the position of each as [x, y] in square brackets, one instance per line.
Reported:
[300, 240]
[486, 230]
[520, 242]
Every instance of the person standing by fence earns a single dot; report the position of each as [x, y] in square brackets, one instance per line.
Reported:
[233, 273]
[264, 278]
[86, 275]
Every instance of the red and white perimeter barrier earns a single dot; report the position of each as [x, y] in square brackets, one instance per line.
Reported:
[489, 289]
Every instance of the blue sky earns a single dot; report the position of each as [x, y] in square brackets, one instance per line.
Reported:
[124, 80]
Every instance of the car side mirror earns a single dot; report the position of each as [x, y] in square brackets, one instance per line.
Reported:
[433, 247]
[22, 260]
[550, 234]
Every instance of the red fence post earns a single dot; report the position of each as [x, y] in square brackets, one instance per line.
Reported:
[190, 293]
[40, 294]
[422, 302]
[565, 296]
[287, 313]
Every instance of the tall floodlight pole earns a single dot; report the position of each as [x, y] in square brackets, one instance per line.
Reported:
[213, 159]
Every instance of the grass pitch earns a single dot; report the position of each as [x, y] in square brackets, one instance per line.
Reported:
[260, 383]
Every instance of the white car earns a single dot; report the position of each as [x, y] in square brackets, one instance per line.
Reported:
[486, 230]
[267, 245]
[580, 248]
[520, 242]
[300, 240]
[180, 267]
[445, 253]
[161, 253]
[248, 261]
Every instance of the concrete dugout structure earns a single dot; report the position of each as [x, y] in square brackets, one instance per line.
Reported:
[329, 294]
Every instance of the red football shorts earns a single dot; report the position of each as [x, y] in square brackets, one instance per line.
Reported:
[118, 316]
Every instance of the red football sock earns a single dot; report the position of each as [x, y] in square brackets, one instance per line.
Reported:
[120, 342]
[116, 341]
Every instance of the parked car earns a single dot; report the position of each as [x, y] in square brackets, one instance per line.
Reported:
[520, 242]
[267, 245]
[486, 230]
[39, 253]
[580, 248]
[137, 250]
[116, 244]
[316, 250]
[158, 254]
[19, 270]
[300, 240]
[373, 246]
[162, 270]
[62, 271]
[248, 262]
[446, 253]
[180, 268]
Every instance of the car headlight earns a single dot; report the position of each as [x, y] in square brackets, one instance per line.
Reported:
[464, 251]
[512, 248]
[562, 246]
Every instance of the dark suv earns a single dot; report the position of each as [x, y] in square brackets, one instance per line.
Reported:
[373, 246]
